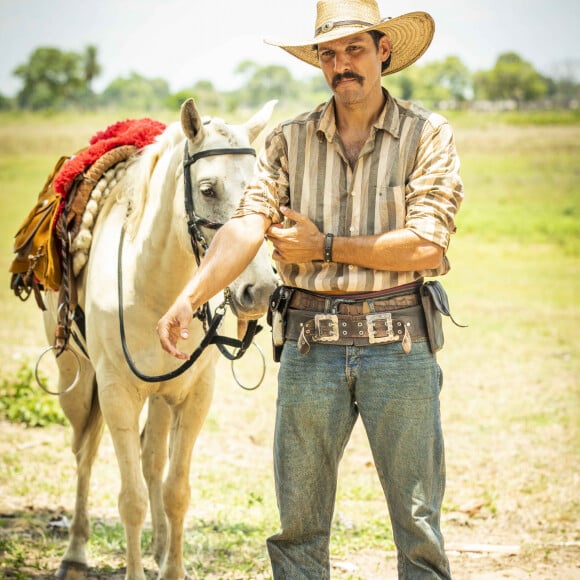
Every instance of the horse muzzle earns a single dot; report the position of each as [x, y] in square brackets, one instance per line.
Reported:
[249, 301]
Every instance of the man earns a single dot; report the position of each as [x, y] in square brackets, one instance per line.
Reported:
[358, 198]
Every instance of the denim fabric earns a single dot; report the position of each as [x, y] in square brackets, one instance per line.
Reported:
[320, 396]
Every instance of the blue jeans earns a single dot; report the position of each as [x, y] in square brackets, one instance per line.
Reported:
[320, 396]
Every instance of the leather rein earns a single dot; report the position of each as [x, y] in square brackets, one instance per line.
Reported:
[210, 322]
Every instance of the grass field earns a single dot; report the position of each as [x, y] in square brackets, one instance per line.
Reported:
[511, 399]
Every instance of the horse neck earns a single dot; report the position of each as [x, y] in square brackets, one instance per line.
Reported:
[160, 245]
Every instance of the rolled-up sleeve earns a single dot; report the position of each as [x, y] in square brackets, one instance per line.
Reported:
[268, 189]
[434, 189]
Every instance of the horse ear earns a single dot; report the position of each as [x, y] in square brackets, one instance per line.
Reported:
[191, 121]
[258, 122]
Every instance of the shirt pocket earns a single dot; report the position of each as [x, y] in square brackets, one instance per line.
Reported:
[392, 210]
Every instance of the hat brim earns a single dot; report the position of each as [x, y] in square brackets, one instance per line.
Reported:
[410, 35]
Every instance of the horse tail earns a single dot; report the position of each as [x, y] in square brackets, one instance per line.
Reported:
[87, 441]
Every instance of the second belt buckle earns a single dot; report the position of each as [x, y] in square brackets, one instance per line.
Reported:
[380, 323]
[326, 326]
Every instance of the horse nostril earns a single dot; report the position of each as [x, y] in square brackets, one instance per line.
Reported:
[247, 295]
[252, 299]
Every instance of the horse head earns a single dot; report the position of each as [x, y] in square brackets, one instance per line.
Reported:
[218, 164]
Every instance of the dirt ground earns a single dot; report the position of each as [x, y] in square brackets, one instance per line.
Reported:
[480, 546]
[511, 505]
[468, 561]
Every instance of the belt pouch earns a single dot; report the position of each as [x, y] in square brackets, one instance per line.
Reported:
[276, 318]
[433, 319]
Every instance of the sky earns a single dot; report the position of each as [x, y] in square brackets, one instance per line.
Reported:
[184, 41]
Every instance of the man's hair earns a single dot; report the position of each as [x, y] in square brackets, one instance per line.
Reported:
[376, 36]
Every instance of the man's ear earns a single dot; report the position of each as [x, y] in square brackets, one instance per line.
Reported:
[384, 48]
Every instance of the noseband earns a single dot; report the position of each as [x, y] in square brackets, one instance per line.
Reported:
[210, 323]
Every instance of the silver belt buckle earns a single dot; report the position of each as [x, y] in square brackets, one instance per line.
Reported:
[326, 326]
[387, 319]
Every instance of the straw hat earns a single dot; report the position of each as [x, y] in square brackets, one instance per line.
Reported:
[409, 34]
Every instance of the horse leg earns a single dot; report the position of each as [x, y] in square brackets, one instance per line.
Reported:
[121, 408]
[154, 450]
[81, 407]
[187, 420]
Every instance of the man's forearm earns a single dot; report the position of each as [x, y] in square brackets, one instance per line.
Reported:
[232, 249]
[398, 251]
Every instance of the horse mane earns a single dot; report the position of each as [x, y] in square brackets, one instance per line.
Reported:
[143, 168]
[221, 127]
[113, 188]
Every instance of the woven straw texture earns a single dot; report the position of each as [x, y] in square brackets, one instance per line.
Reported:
[410, 34]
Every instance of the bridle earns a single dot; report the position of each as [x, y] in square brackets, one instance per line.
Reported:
[194, 222]
[210, 322]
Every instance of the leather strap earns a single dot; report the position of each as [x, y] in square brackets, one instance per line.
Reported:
[328, 239]
[353, 304]
[358, 330]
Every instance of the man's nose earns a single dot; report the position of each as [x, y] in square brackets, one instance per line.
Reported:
[341, 62]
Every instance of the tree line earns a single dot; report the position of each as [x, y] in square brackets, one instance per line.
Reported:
[54, 79]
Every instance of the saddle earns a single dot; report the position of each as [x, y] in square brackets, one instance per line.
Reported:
[43, 241]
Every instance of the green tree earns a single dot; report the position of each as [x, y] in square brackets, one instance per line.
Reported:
[433, 82]
[52, 79]
[92, 68]
[454, 76]
[564, 84]
[264, 83]
[402, 85]
[6, 103]
[209, 100]
[136, 92]
[511, 78]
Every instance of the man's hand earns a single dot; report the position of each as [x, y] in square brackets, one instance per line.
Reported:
[300, 243]
[174, 325]
[220, 267]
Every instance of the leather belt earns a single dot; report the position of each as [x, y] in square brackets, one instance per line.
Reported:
[403, 325]
[356, 304]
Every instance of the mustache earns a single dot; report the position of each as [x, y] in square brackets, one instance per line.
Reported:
[346, 75]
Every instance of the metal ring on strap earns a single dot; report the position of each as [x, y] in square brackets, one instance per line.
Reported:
[260, 380]
[75, 380]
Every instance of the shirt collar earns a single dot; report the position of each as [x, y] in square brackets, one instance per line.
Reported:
[388, 120]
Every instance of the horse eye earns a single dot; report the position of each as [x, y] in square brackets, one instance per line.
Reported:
[207, 190]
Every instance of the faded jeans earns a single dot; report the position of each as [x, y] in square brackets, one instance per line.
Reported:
[320, 396]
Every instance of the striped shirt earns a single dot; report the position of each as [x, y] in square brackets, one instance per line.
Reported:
[406, 177]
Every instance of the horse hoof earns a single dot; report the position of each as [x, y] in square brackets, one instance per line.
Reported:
[72, 571]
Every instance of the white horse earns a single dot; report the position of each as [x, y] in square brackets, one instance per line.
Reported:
[146, 198]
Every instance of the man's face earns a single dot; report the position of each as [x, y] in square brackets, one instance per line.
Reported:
[352, 65]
